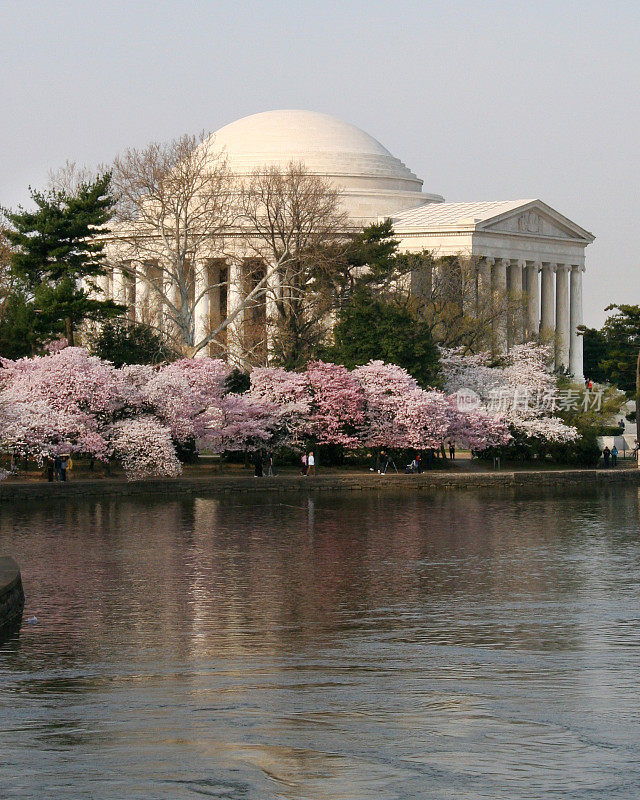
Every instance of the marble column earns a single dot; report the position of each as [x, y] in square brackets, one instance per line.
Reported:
[499, 289]
[575, 319]
[155, 287]
[215, 278]
[201, 310]
[103, 284]
[515, 303]
[167, 313]
[119, 288]
[142, 293]
[235, 296]
[532, 315]
[562, 316]
[547, 311]
[272, 295]
[484, 285]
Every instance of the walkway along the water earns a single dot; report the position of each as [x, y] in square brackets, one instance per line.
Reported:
[329, 481]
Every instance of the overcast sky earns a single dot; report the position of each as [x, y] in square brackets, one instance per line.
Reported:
[483, 100]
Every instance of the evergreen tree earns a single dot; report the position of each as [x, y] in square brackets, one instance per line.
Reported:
[22, 331]
[57, 256]
[122, 342]
[372, 327]
[611, 353]
[377, 319]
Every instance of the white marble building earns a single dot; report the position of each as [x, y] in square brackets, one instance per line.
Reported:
[518, 246]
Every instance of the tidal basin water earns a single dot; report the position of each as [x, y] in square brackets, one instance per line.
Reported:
[352, 646]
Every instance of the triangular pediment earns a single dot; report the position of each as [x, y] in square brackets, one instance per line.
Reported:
[535, 219]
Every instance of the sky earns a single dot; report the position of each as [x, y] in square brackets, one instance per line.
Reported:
[483, 100]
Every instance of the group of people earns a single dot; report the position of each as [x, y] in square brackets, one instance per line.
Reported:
[417, 464]
[58, 466]
[263, 465]
[610, 455]
[308, 463]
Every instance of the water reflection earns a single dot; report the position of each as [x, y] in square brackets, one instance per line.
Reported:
[329, 646]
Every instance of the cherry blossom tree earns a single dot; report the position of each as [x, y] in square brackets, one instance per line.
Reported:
[60, 402]
[181, 394]
[476, 428]
[69, 401]
[239, 422]
[337, 404]
[288, 394]
[145, 448]
[423, 417]
[521, 389]
[384, 385]
[72, 402]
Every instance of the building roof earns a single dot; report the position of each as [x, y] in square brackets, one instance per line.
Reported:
[437, 214]
[520, 217]
[323, 143]
[370, 179]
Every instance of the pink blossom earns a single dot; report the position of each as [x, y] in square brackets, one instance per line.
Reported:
[181, 393]
[288, 395]
[337, 404]
[144, 448]
[384, 386]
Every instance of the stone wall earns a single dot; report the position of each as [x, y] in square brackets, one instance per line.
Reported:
[581, 479]
[11, 596]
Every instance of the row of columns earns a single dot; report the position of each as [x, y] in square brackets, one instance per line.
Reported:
[552, 295]
[552, 304]
[132, 285]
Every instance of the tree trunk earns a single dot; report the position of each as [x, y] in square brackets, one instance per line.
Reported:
[69, 327]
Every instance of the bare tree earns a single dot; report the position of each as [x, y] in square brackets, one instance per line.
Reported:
[295, 229]
[178, 221]
[459, 304]
[69, 177]
[173, 209]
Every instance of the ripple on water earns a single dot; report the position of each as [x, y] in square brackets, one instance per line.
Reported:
[441, 645]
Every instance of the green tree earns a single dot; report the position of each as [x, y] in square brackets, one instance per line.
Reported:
[612, 352]
[594, 351]
[371, 257]
[57, 257]
[371, 327]
[22, 331]
[124, 342]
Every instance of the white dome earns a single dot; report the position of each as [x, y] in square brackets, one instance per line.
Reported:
[373, 183]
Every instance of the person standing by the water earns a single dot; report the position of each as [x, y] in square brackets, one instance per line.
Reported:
[56, 468]
[64, 463]
[614, 456]
[606, 453]
[311, 463]
[269, 472]
[452, 451]
[303, 462]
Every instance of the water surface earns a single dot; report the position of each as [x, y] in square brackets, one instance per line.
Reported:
[331, 646]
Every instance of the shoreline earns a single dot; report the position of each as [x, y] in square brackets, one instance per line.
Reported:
[331, 481]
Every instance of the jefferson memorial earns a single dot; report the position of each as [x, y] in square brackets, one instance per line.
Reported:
[518, 246]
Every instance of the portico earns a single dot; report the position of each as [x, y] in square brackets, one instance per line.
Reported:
[523, 249]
